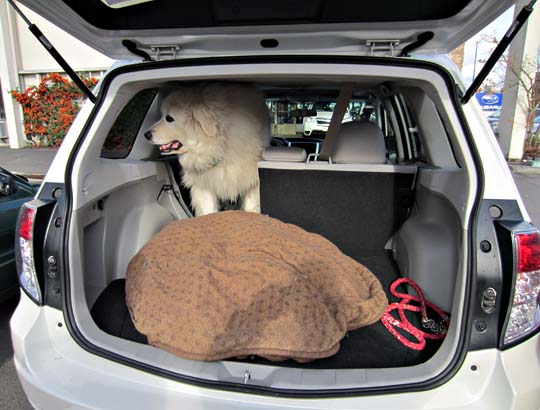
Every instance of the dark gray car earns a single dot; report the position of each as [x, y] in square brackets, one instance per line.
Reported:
[14, 191]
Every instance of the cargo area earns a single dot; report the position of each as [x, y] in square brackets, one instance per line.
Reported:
[401, 214]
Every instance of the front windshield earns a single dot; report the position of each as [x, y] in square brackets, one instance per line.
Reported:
[324, 106]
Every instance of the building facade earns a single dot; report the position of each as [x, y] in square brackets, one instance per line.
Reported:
[23, 61]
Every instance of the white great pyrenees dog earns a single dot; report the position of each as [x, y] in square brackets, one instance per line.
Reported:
[219, 131]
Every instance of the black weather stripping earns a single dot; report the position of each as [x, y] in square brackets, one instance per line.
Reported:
[132, 47]
[521, 19]
[55, 54]
[422, 39]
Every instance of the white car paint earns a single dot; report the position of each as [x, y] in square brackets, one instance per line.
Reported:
[56, 374]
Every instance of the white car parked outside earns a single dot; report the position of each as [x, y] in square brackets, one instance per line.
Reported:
[320, 123]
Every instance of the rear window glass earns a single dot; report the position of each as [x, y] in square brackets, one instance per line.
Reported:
[416, 151]
[169, 14]
[123, 132]
[289, 128]
[389, 136]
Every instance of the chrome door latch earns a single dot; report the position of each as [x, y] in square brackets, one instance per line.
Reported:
[51, 267]
[489, 299]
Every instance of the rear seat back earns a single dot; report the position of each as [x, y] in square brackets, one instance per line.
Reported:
[355, 204]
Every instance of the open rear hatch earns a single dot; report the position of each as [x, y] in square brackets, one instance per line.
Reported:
[172, 29]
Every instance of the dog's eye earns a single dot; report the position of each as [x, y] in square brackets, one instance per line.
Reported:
[168, 118]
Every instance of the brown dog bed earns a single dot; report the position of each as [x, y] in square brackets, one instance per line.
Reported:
[234, 284]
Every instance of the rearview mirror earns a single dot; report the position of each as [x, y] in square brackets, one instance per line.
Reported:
[303, 113]
[7, 185]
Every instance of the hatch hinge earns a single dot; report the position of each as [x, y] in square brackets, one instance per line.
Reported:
[386, 47]
[165, 51]
[156, 52]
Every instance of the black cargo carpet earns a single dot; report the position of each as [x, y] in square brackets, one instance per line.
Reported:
[369, 347]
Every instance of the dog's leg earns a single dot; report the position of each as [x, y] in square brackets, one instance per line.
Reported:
[204, 201]
[251, 200]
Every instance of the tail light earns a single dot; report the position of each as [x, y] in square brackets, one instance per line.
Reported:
[524, 317]
[25, 247]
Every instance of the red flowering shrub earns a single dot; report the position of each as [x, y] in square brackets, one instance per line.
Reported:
[50, 107]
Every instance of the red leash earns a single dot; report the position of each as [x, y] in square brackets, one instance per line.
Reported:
[391, 323]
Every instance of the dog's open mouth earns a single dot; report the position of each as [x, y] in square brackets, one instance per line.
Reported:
[171, 146]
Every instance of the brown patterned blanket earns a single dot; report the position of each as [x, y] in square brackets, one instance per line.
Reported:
[234, 284]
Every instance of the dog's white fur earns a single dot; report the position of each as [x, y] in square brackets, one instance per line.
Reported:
[223, 128]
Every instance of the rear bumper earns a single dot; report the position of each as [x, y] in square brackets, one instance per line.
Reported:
[56, 373]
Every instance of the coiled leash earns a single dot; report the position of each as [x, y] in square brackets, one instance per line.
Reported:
[437, 329]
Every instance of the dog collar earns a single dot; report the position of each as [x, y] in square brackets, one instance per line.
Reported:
[216, 162]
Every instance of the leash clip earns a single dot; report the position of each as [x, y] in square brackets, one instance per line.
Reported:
[438, 328]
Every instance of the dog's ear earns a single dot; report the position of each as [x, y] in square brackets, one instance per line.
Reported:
[206, 119]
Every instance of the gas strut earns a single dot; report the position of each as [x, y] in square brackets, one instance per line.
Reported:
[520, 20]
[55, 54]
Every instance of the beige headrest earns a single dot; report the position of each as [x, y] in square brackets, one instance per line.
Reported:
[285, 154]
[359, 142]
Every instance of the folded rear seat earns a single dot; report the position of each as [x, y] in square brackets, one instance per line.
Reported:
[357, 201]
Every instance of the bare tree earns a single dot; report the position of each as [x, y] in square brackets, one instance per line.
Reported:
[527, 78]
[525, 75]
[457, 56]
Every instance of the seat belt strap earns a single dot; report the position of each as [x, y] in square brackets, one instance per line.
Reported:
[344, 97]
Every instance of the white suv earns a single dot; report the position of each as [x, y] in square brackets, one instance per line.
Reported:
[437, 204]
[319, 123]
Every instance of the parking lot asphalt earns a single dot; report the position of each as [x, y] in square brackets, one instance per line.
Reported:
[529, 188]
[32, 162]
[12, 396]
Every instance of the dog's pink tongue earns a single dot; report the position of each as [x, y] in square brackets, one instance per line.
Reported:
[170, 146]
[165, 147]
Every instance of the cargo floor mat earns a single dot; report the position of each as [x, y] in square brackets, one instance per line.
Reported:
[367, 347]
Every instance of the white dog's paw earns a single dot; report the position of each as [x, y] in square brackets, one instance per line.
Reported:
[204, 201]
[251, 201]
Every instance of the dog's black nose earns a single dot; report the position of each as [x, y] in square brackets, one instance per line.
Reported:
[148, 135]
